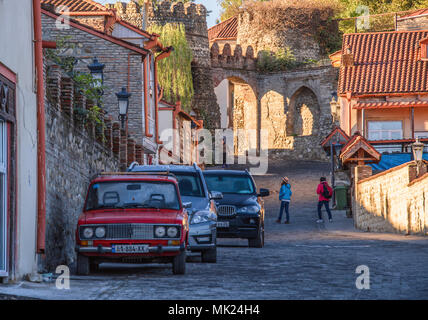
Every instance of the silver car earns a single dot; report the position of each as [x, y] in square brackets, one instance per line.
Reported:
[203, 210]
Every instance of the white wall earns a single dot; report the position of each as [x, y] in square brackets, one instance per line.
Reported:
[16, 52]
[223, 100]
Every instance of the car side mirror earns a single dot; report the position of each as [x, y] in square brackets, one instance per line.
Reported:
[187, 205]
[264, 192]
[216, 195]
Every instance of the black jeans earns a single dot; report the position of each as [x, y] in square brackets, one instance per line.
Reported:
[326, 205]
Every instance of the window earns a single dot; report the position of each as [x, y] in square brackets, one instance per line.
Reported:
[239, 184]
[132, 194]
[189, 184]
[385, 130]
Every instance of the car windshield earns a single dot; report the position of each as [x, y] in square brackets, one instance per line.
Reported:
[131, 194]
[189, 184]
[241, 184]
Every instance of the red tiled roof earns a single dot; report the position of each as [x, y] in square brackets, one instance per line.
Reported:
[384, 63]
[421, 12]
[95, 32]
[358, 142]
[390, 104]
[337, 133]
[77, 5]
[228, 29]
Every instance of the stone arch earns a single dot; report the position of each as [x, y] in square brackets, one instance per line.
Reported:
[304, 113]
[238, 107]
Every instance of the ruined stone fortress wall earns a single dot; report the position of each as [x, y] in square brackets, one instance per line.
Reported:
[303, 45]
[193, 17]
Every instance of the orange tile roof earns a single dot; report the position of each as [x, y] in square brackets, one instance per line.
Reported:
[418, 13]
[78, 5]
[95, 32]
[358, 142]
[390, 104]
[339, 134]
[227, 29]
[384, 63]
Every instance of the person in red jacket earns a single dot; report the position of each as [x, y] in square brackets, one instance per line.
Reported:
[325, 193]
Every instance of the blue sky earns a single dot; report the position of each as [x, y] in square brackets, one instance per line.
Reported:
[211, 5]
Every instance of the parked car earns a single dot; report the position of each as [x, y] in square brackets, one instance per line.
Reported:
[203, 212]
[131, 217]
[241, 212]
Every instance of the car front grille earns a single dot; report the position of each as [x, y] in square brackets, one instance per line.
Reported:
[130, 231]
[226, 211]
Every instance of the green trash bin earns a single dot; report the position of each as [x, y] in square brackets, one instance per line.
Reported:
[341, 197]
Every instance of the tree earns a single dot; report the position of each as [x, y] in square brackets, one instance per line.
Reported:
[175, 72]
[231, 8]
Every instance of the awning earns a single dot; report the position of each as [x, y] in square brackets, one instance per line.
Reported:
[390, 105]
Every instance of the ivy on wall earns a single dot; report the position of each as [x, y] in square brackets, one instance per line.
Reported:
[175, 72]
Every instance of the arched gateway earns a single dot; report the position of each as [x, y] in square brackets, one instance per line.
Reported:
[293, 106]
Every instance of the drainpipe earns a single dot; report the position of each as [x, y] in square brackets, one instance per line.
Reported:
[41, 162]
[146, 103]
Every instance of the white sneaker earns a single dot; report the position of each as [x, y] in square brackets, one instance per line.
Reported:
[320, 221]
[331, 220]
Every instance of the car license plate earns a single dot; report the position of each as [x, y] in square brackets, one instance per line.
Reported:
[130, 248]
[222, 224]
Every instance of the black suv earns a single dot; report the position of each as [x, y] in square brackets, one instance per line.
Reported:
[241, 213]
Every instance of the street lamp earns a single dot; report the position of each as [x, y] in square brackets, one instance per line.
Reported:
[418, 152]
[123, 103]
[97, 72]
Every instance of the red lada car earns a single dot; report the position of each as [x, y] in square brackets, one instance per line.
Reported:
[133, 218]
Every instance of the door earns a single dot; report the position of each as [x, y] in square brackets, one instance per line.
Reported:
[3, 199]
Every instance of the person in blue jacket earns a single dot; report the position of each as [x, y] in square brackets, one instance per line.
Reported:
[285, 197]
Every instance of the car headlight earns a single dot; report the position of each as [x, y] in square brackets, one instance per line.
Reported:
[203, 216]
[100, 232]
[88, 233]
[160, 232]
[249, 209]
[172, 232]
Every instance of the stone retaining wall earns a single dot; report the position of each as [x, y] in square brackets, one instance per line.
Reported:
[76, 150]
[393, 201]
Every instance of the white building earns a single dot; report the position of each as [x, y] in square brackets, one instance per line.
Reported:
[18, 141]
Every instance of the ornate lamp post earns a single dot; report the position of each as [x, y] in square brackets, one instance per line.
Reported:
[418, 152]
[97, 72]
[123, 103]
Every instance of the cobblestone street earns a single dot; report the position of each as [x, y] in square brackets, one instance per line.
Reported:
[302, 260]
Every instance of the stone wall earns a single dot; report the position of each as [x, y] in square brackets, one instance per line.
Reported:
[392, 201]
[193, 17]
[76, 150]
[303, 45]
[420, 23]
